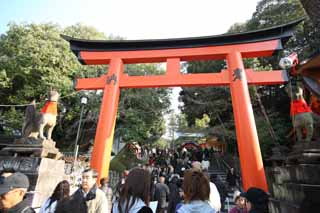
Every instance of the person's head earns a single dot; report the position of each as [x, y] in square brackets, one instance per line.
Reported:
[13, 187]
[125, 173]
[195, 186]
[175, 179]
[137, 185]
[62, 190]
[256, 199]
[238, 200]
[104, 181]
[162, 179]
[196, 165]
[89, 178]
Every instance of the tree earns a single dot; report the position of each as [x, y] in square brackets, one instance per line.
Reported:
[182, 122]
[141, 111]
[34, 58]
[312, 8]
[202, 123]
[216, 103]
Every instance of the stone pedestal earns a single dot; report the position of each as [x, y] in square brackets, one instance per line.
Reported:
[40, 162]
[32, 147]
[296, 183]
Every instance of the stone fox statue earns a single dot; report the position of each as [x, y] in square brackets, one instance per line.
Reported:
[301, 114]
[35, 122]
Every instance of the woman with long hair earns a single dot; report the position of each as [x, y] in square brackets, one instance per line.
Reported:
[61, 192]
[135, 194]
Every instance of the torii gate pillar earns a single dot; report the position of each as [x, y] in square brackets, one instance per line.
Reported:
[248, 142]
[107, 118]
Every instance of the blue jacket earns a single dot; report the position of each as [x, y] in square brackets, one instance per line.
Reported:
[196, 206]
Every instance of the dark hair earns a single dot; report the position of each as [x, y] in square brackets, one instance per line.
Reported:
[103, 180]
[137, 185]
[258, 199]
[61, 192]
[93, 171]
[260, 207]
[195, 186]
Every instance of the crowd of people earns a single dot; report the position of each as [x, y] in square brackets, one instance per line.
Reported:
[170, 182]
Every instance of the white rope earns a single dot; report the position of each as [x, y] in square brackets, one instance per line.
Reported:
[14, 105]
[62, 97]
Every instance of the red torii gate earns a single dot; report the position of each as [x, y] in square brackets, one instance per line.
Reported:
[231, 47]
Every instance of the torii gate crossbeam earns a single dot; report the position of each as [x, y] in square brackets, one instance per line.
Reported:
[231, 47]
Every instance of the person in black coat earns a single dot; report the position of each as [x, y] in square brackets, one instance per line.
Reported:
[174, 196]
[232, 179]
[222, 189]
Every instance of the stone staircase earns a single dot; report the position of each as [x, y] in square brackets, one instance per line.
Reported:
[218, 176]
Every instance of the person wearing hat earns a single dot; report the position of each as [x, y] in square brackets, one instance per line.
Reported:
[257, 200]
[13, 187]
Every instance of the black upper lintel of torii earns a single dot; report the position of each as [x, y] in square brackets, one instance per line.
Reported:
[282, 32]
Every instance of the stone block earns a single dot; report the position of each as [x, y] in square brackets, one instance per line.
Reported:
[43, 173]
[276, 206]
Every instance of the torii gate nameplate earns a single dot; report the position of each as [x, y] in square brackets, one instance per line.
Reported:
[231, 47]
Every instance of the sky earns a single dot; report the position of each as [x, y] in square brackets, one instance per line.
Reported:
[133, 19]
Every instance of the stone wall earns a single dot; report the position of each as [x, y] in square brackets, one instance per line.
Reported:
[294, 182]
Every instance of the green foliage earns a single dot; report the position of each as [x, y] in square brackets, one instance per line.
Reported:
[206, 100]
[203, 122]
[4, 80]
[237, 28]
[270, 13]
[34, 58]
[182, 122]
[116, 165]
[140, 116]
[125, 159]
[11, 119]
[280, 124]
[84, 32]
[161, 143]
[216, 101]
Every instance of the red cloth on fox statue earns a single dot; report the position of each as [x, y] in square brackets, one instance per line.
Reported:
[299, 106]
[50, 107]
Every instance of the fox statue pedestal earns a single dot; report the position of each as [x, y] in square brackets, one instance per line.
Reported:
[40, 161]
[33, 147]
[294, 184]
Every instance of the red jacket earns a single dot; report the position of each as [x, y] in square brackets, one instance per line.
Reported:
[299, 106]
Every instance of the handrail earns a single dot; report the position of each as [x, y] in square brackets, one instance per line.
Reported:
[228, 167]
[226, 164]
